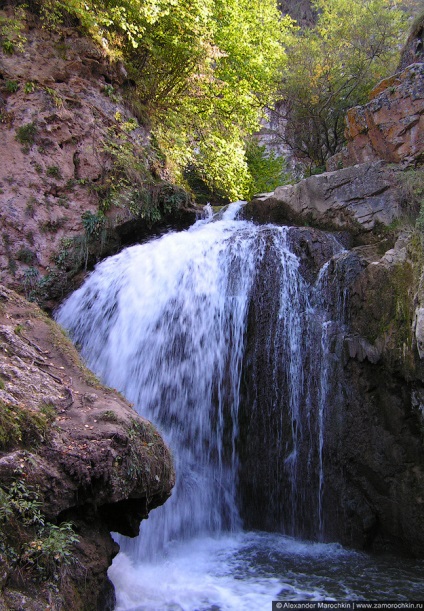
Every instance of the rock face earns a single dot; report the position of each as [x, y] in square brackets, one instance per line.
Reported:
[370, 468]
[372, 459]
[63, 121]
[390, 126]
[97, 464]
[355, 199]
[375, 455]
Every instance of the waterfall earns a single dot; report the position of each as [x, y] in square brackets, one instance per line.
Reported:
[217, 337]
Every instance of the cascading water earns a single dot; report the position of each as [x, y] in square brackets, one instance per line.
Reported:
[217, 337]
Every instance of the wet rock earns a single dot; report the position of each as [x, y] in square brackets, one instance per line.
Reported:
[372, 455]
[419, 330]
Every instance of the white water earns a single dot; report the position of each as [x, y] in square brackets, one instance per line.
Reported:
[246, 571]
[165, 323]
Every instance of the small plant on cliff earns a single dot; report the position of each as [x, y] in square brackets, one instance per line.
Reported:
[53, 171]
[93, 223]
[25, 134]
[28, 542]
[25, 255]
[21, 426]
[11, 30]
[412, 194]
[29, 87]
[12, 86]
[108, 416]
[30, 282]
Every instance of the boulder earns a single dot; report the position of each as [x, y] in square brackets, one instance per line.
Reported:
[356, 199]
[92, 459]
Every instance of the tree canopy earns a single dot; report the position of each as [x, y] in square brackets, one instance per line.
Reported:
[202, 72]
[333, 66]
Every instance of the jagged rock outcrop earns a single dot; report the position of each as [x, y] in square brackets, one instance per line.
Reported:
[357, 199]
[67, 138]
[88, 454]
[390, 127]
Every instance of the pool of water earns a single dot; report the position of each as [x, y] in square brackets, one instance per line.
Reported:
[247, 571]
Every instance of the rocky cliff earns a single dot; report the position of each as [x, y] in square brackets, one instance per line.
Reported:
[390, 127]
[373, 455]
[349, 468]
[79, 452]
[79, 176]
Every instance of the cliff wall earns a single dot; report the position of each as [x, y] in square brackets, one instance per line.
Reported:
[372, 196]
[80, 453]
[79, 176]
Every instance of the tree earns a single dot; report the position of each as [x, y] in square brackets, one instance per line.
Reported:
[201, 71]
[332, 67]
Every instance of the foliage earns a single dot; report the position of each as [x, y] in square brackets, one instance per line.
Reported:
[30, 282]
[267, 169]
[108, 416]
[27, 540]
[93, 223]
[333, 66]
[25, 255]
[412, 194]
[200, 73]
[29, 87]
[25, 134]
[54, 172]
[12, 86]
[22, 426]
[130, 184]
[11, 31]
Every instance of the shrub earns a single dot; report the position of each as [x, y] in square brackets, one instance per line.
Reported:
[12, 86]
[25, 134]
[53, 171]
[28, 542]
[25, 255]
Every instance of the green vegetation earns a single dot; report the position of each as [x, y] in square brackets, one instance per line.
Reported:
[21, 426]
[29, 87]
[200, 75]
[25, 134]
[12, 86]
[108, 416]
[267, 170]
[333, 66]
[53, 171]
[25, 255]
[412, 194]
[11, 31]
[93, 223]
[29, 544]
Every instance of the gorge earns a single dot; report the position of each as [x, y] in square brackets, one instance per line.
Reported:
[277, 345]
[238, 341]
